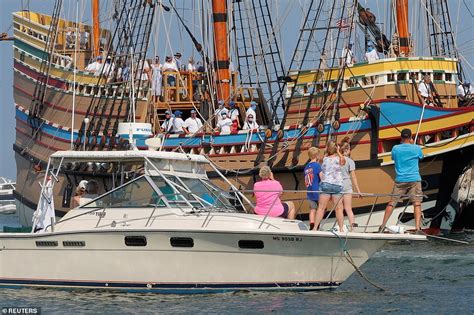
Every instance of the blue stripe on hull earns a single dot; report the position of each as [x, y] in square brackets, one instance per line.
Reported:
[168, 288]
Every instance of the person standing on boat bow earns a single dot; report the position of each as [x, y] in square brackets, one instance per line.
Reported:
[331, 184]
[407, 180]
[311, 179]
[267, 193]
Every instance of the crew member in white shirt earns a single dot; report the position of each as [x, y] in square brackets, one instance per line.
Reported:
[371, 54]
[224, 124]
[464, 92]
[156, 82]
[95, 66]
[170, 66]
[167, 124]
[348, 56]
[178, 122]
[193, 124]
[191, 66]
[221, 109]
[177, 60]
[250, 123]
[251, 110]
[425, 91]
[234, 113]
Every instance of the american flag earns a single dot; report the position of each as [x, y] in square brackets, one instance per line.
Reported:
[343, 24]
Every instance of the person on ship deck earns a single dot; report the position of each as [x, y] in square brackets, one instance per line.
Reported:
[426, 91]
[95, 66]
[465, 93]
[192, 124]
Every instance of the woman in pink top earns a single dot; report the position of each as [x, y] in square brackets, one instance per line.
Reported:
[267, 192]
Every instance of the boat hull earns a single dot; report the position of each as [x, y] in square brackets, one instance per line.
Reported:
[215, 263]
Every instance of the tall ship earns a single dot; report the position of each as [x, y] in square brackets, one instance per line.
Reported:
[349, 77]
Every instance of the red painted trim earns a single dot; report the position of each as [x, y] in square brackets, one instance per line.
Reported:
[34, 74]
[428, 132]
[64, 109]
[425, 120]
[46, 146]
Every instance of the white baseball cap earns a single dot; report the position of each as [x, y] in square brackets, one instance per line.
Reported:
[82, 184]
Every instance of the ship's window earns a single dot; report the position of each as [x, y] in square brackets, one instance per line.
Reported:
[390, 77]
[437, 76]
[448, 77]
[182, 242]
[251, 244]
[74, 243]
[135, 240]
[46, 243]
[401, 76]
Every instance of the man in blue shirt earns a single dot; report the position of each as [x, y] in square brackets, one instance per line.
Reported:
[407, 180]
[311, 179]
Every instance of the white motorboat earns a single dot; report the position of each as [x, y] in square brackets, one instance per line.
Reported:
[171, 230]
[7, 201]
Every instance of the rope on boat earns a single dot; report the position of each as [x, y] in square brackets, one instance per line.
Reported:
[350, 260]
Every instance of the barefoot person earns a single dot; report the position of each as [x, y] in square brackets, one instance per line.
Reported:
[268, 192]
[407, 180]
[311, 179]
[331, 184]
[349, 181]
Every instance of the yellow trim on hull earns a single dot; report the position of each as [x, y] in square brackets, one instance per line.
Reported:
[429, 126]
[437, 148]
[56, 72]
[32, 24]
[389, 65]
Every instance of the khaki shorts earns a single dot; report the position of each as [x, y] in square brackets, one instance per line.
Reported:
[410, 188]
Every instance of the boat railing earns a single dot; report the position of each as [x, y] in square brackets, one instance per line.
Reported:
[377, 197]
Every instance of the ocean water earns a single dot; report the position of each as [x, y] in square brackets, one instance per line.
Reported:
[433, 277]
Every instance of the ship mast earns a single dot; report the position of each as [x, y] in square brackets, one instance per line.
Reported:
[221, 49]
[96, 27]
[402, 26]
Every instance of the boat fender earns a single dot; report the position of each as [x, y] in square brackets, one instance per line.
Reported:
[268, 133]
[396, 229]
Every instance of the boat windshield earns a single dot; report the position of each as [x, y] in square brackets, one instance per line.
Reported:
[146, 191]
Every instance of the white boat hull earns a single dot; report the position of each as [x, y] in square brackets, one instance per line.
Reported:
[299, 261]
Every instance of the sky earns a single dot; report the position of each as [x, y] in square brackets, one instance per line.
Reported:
[461, 14]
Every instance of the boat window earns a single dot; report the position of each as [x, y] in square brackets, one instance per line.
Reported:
[137, 193]
[251, 244]
[182, 242]
[135, 240]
